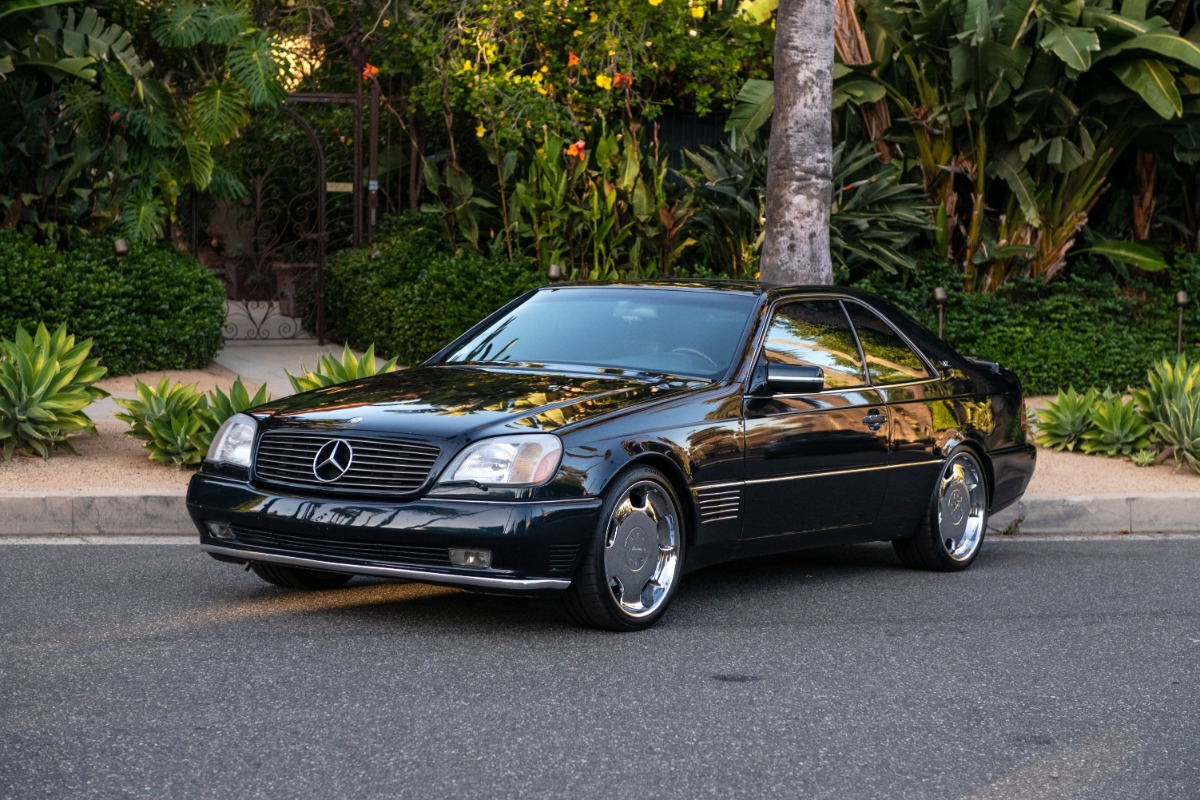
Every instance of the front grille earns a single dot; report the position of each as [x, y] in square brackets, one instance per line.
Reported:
[378, 466]
[378, 552]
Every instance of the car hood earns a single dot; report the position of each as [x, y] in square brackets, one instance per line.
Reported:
[449, 401]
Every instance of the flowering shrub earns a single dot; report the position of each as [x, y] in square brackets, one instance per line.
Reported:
[516, 67]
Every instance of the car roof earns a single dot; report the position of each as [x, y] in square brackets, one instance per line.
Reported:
[771, 290]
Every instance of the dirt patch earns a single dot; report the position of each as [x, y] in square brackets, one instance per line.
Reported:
[206, 379]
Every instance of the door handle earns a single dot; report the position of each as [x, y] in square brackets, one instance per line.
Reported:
[874, 420]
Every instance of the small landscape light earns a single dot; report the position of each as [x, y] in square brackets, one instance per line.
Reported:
[121, 248]
[940, 297]
[554, 272]
[1181, 300]
[479, 559]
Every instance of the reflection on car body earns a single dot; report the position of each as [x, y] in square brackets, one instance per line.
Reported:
[594, 442]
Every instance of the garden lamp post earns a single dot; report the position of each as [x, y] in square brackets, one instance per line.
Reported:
[940, 297]
[1181, 300]
[554, 272]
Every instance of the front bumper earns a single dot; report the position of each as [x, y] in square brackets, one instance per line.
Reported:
[535, 544]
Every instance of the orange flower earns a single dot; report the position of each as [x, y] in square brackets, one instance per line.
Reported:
[572, 60]
[622, 80]
[576, 150]
[370, 71]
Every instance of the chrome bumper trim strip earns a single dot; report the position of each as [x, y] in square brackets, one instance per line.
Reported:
[421, 576]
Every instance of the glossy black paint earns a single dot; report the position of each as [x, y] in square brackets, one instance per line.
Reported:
[801, 469]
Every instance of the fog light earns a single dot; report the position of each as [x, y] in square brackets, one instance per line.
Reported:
[479, 559]
[219, 530]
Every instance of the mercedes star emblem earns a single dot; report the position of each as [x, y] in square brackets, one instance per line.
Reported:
[333, 460]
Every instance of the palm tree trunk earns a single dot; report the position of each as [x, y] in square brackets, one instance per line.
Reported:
[800, 158]
[1145, 170]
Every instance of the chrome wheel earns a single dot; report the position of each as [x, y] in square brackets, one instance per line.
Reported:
[642, 548]
[961, 507]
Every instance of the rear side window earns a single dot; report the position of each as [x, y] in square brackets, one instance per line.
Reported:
[889, 358]
[816, 334]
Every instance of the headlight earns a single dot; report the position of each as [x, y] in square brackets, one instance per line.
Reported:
[233, 442]
[526, 460]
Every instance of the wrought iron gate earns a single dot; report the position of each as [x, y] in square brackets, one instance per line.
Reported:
[298, 203]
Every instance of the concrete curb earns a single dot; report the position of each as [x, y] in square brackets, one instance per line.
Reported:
[114, 513]
[1102, 513]
[132, 512]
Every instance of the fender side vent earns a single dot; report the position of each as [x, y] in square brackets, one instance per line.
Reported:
[719, 504]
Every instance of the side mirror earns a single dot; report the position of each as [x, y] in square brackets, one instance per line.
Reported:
[792, 379]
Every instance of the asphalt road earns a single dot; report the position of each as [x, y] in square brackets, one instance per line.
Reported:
[1050, 669]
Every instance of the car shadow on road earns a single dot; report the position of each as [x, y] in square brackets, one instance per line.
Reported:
[755, 581]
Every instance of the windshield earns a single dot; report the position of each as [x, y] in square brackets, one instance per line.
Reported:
[687, 333]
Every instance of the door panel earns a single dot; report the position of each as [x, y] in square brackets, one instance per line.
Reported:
[814, 461]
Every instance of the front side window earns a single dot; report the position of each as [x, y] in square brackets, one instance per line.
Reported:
[889, 358]
[816, 333]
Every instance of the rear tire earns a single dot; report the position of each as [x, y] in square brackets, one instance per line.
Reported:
[950, 535]
[631, 570]
[299, 578]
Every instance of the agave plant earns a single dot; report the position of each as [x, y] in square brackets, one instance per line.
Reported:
[1063, 422]
[1164, 382]
[220, 407]
[1118, 428]
[1144, 457]
[165, 417]
[1180, 428]
[331, 371]
[45, 384]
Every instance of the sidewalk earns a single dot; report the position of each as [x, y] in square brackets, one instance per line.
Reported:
[1070, 494]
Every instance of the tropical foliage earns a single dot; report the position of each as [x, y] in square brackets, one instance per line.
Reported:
[96, 136]
[1016, 113]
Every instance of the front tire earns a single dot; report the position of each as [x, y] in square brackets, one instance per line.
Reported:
[632, 569]
[951, 533]
[299, 578]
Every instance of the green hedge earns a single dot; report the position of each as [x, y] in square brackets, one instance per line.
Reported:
[154, 309]
[1089, 329]
[410, 295]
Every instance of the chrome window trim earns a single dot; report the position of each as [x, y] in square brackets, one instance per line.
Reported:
[759, 344]
[761, 347]
[929, 367]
